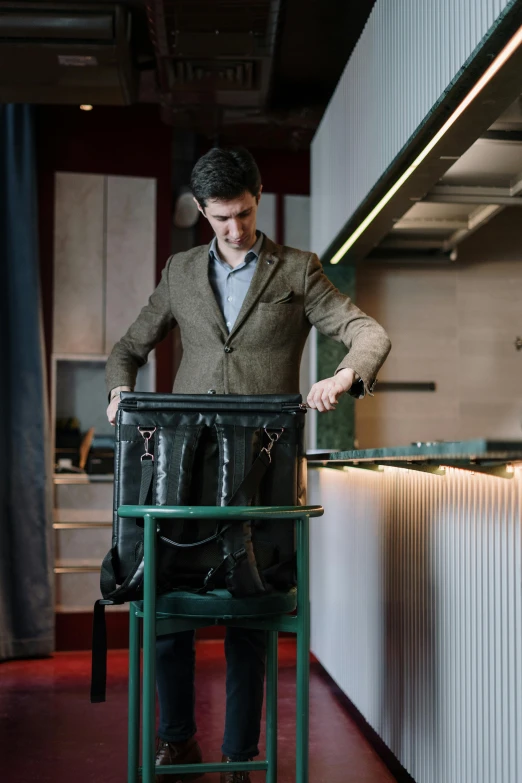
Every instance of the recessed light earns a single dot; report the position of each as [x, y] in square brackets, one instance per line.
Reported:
[86, 107]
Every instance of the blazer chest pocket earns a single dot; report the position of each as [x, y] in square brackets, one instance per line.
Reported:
[286, 297]
[279, 318]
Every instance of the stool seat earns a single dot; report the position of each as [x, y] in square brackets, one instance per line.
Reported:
[220, 604]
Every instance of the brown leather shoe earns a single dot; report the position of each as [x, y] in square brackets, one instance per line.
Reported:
[187, 752]
[234, 777]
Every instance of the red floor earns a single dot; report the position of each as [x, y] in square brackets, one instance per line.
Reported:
[50, 733]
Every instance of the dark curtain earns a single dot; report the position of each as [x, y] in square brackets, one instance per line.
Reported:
[26, 611]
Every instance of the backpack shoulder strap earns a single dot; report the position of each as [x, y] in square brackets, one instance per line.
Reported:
[180, 469]
[237, 548]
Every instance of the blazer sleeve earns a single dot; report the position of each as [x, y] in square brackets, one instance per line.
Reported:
[336, 316]
[150, 327]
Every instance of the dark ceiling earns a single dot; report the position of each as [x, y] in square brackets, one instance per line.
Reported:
[316, 40]
[216, 67]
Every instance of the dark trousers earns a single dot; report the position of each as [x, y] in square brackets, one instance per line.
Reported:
[245, 651]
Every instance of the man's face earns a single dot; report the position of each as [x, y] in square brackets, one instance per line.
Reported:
[233, 222]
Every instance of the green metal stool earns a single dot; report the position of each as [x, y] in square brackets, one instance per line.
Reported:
[180, 611]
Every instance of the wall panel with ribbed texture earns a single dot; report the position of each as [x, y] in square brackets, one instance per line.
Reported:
[417, 614]
[408, 53]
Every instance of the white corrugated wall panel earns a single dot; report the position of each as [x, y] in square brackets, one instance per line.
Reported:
[407, 55]
[417, 614]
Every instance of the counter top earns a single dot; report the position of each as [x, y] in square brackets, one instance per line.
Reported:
[446, 452]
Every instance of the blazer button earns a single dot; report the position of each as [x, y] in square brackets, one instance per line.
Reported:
[227, 349]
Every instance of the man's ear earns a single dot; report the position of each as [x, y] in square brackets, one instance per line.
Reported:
[258, 197]
[199, 206]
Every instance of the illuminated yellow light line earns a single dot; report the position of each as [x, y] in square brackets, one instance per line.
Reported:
[486, 77]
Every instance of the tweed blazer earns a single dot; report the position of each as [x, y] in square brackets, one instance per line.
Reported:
[289, 294]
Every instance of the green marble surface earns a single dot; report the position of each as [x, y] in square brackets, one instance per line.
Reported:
[336, 430]
[466, 451]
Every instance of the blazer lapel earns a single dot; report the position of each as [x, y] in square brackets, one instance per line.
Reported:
[207, 300]
[267, 263]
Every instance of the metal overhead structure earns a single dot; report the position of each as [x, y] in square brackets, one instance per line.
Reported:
[482, 182]
[214, 54]
[235, 69]
[376, 194]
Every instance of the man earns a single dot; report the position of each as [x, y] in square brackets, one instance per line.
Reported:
[245, 307]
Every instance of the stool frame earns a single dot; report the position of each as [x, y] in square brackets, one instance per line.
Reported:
[155, 624]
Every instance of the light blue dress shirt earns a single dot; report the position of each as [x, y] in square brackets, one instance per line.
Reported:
[231, 285]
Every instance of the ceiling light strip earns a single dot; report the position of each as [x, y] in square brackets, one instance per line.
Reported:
[490, 72]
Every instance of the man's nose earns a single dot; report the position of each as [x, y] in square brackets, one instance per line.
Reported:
[235, 229]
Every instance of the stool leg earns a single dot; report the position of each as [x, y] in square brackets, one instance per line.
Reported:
[149, 652]
[271, 706]
[133, 734]
[303, 651]
[303, 704]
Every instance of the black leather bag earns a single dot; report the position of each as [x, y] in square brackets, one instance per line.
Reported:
[174, 449]
[206, 450]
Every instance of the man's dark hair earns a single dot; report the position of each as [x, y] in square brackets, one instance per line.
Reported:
[224, 174]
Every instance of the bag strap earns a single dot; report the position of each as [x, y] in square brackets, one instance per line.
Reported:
[181, 461]
[99, 651]
[109, 587]
[181, 464]
[243, 495]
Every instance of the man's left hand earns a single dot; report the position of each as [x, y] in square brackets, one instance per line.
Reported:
[324, 395]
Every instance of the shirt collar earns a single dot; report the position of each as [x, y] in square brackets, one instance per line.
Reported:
[252, 254]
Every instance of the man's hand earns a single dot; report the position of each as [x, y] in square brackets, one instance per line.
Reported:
[115, 401]
[324, 394]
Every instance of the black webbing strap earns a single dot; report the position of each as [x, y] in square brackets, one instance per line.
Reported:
[241, 466]
[129, 433]
[181, 462]
[243, 496]
[147, 473]
[99, 652]
[225, 566]
[109, 586]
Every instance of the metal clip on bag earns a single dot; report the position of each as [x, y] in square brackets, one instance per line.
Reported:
[178, 449]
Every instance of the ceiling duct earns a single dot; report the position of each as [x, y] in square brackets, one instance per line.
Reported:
[52, 53]
[213, 53]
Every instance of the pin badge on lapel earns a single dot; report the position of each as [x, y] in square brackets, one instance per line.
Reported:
[269, 260]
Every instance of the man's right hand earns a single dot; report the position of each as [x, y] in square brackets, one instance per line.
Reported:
[115, 401]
